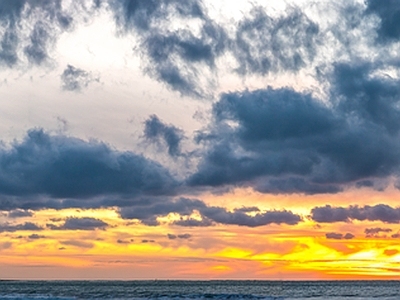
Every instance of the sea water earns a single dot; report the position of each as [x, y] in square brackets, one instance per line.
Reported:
[311, 290]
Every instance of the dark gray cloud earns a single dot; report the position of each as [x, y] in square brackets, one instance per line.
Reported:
[148, 241]
[43, 166]
[36, 51]
[10, 12]
[85, 223]
[184, 236]
[247, 209]
[174, 56]
[348, 236]
[19, 213]
[271, 138]
[329, 214]
[379, 212]
[372, 99]
[119, 241]
[389, 15]
[27, 226]
[142, 14]
[183, 57]
[75, 79]
[148, 213]
[177, 59]
[264, 44]
[157, 131]
[46, 19]
[396, 235]
[36, 236]
[282, 141]
[222, 216]
[190, 222]
[339, 236]
[259, 43]
[76, 243]
[375, 232]
[171, 236]
[31, 28]
[334, 235]
[46, 171]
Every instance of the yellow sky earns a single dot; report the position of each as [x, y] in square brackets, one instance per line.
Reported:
[130, 250]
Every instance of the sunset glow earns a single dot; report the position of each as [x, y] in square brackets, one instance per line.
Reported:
[191, 139]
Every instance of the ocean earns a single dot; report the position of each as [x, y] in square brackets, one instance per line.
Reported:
[310, 290]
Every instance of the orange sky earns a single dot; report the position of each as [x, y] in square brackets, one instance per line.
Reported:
[130, 250]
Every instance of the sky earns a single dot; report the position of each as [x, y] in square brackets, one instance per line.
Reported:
[199, 139]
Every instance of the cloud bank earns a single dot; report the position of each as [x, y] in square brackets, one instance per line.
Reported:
[379, 212]
[272, 139]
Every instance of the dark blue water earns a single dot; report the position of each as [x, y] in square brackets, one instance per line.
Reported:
[200, 290]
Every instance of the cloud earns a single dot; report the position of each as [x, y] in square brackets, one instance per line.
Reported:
[190, 222]
[222, 216]
[173, 56]
[185, 57]
[36, 51]
[56, 171]
[284, 141]
[247, 209]
[31, 28]
[35, 236]
[119, 241]
[171, 236]
[27, 226]
[179, 43]
[75, 79]
[57, 166]
[379, 212]
[348, 236]
[396, 235]
[155, 130]
[148, 241]
[274, 135]
[339, 236]
[85, 223]
[372, 99]
[374, 232]
[389, 15]
[19, 213]
[184, 236]
[77, 243]
[328, 214]
[148, 213]
[264, 44]
[142, 14]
